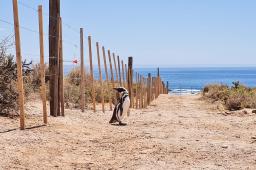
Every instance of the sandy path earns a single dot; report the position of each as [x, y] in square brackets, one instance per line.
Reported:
[175, 132]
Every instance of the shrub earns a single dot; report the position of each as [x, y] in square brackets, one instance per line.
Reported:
[72, 89]
[234, 98]
[216, 92]
[35, 77]
[8, 79]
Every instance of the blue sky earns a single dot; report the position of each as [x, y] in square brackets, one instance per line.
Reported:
[155, 32]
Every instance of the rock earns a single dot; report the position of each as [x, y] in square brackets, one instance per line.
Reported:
[245, 112]
[237, 136]
[224, 146]
[253, 137]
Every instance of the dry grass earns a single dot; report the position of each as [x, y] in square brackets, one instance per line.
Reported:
[72, 89]
[233, 98]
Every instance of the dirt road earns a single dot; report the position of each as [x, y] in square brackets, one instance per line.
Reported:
[175, 132]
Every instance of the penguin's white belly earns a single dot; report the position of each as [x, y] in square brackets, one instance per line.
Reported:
[126, 106]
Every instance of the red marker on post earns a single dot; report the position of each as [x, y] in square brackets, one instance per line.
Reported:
[74, 61]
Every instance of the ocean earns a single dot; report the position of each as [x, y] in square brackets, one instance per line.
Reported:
[192, 80]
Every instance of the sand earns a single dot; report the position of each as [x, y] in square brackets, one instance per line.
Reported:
[175, 132]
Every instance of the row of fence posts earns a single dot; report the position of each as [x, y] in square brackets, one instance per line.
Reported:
[142, 90]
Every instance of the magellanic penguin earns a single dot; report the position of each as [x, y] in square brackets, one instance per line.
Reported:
[122, 107]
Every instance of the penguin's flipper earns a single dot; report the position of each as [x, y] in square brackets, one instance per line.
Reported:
[113, 118]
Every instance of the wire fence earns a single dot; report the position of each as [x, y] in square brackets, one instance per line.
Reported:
[112, 69]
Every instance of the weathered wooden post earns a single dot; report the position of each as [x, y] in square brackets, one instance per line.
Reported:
[82, 83]
[112, 75]
[119, 71]
[167, 87]
[134, 90]
[130, 79]
[107, 80]
[123, 84]
[137, 91]
[57, 92]
[42, 65]
[91, 73]
[141, 92]
[54, 10]
[145, 92]
[149, 88]
[162, 87]
[155, 88]
[152, 89]
[19, 64]
[114, 59]
[126, 75]
[101, 82]
[61, 72]
[111, 69]
[158, 82]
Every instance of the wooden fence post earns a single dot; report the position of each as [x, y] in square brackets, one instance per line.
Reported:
[111, 69]
[61, 71]
[57, 71]
[82, 83]
[91, 72]
[158, 82]
[134, 92]
[141, 93]
[130, 79]
[152, 89]
[119, 71]
[145, 92]
[57, 92]
[123, 84]
[112, 75]
[164, 90]
[114, 59]
[163, 87]
[167, 87]
[42, 65]
[54, 14]
[149, 88]
[126, 75]
[137, 90]
[19, 64]
[154, 84]
[107, 80]
[101, 82]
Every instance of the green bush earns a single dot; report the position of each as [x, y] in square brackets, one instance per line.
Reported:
[8, 80]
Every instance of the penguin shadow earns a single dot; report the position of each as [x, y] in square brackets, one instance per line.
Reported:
[118, 124]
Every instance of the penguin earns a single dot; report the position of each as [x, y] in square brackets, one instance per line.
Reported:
[122, 107]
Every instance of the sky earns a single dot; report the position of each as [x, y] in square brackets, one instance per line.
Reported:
[164, 33]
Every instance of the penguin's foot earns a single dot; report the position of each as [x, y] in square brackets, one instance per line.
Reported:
[122, 124]
[113, 121]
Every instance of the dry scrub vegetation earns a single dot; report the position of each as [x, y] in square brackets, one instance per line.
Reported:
[8, 78]
[233, 98]
[72, 89]
[32, 83]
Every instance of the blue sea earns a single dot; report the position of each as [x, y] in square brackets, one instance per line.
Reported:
[192, 80]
